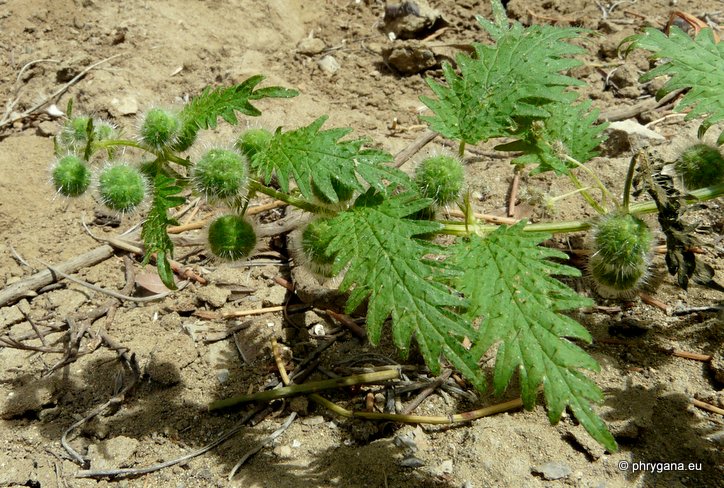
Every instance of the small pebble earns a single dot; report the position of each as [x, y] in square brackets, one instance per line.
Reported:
[328, 64]
[553, 470]
[411, 462]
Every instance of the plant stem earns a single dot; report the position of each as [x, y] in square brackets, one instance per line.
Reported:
[419, 419]
[297, 202]
[629, 181]
[461, 149]
[604, 191]
[312, 386]
[121, 142]
[586, 196]
[700, 195]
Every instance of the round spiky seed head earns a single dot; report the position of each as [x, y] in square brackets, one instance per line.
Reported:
[440, 178]
[122, 187]
[221, 173]
[700, 165]
[74, 132]
[314, 243]
[621, 254]
[103, 130]
[344, 193]
[71, 176]
[160, 128]
[253, 141]
[232, 237]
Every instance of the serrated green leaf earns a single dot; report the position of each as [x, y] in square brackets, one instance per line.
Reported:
[693, 63]
[309, 153]
[203, 111]
[516, 78]
[164, 270]
[154, 234]
[386, 264]
[571, 130]
[509, 283]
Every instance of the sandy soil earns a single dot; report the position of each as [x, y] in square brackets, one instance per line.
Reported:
[170, 50]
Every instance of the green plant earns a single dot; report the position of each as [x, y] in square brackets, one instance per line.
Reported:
[71, 176]
[495, 284]
[121, 187]
[700, 165]
[232, 237]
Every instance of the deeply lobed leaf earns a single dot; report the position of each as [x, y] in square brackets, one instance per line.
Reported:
[309, 153]
[508, 282]
[693, 63]
[516, 78]
[203, 111]
[570, 130]
[386, 264]
[155, 237]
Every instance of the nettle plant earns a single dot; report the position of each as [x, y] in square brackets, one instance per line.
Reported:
[374, 224]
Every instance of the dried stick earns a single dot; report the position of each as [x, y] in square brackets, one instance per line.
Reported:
[420, 419]
[178, 268]
[312, 386]
[45, 277]
[707, 406]
[513, 193]
[348, 322]
[243, 313]
[58, 92]
[122, 473]
[641, 107]
[426, 392]
[199, 224]
[263, 443]
[112, 293]
[404, 155]
[654, 302]
[493, 219]
[705, 358]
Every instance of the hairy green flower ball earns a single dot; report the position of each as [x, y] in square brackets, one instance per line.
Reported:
[343, 192]
[700, 165]
[122, 187]
[71, 176]
[253, 141]
[621, 253]
[74, 134]
[221, 173]
[160, 128]
[314, 247]
[440, 178]
[232, 237]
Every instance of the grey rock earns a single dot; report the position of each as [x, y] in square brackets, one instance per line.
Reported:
[412, 462]
[329, 64]
[406, 441]
[410, 57]
[222, 375]
[127, 105]
[553, 470]
[311, 46]
[47, 129]
[410, 19]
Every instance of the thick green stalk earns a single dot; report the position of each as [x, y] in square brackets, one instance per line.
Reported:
[297, 202]
[700, 195]
[312, 386]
